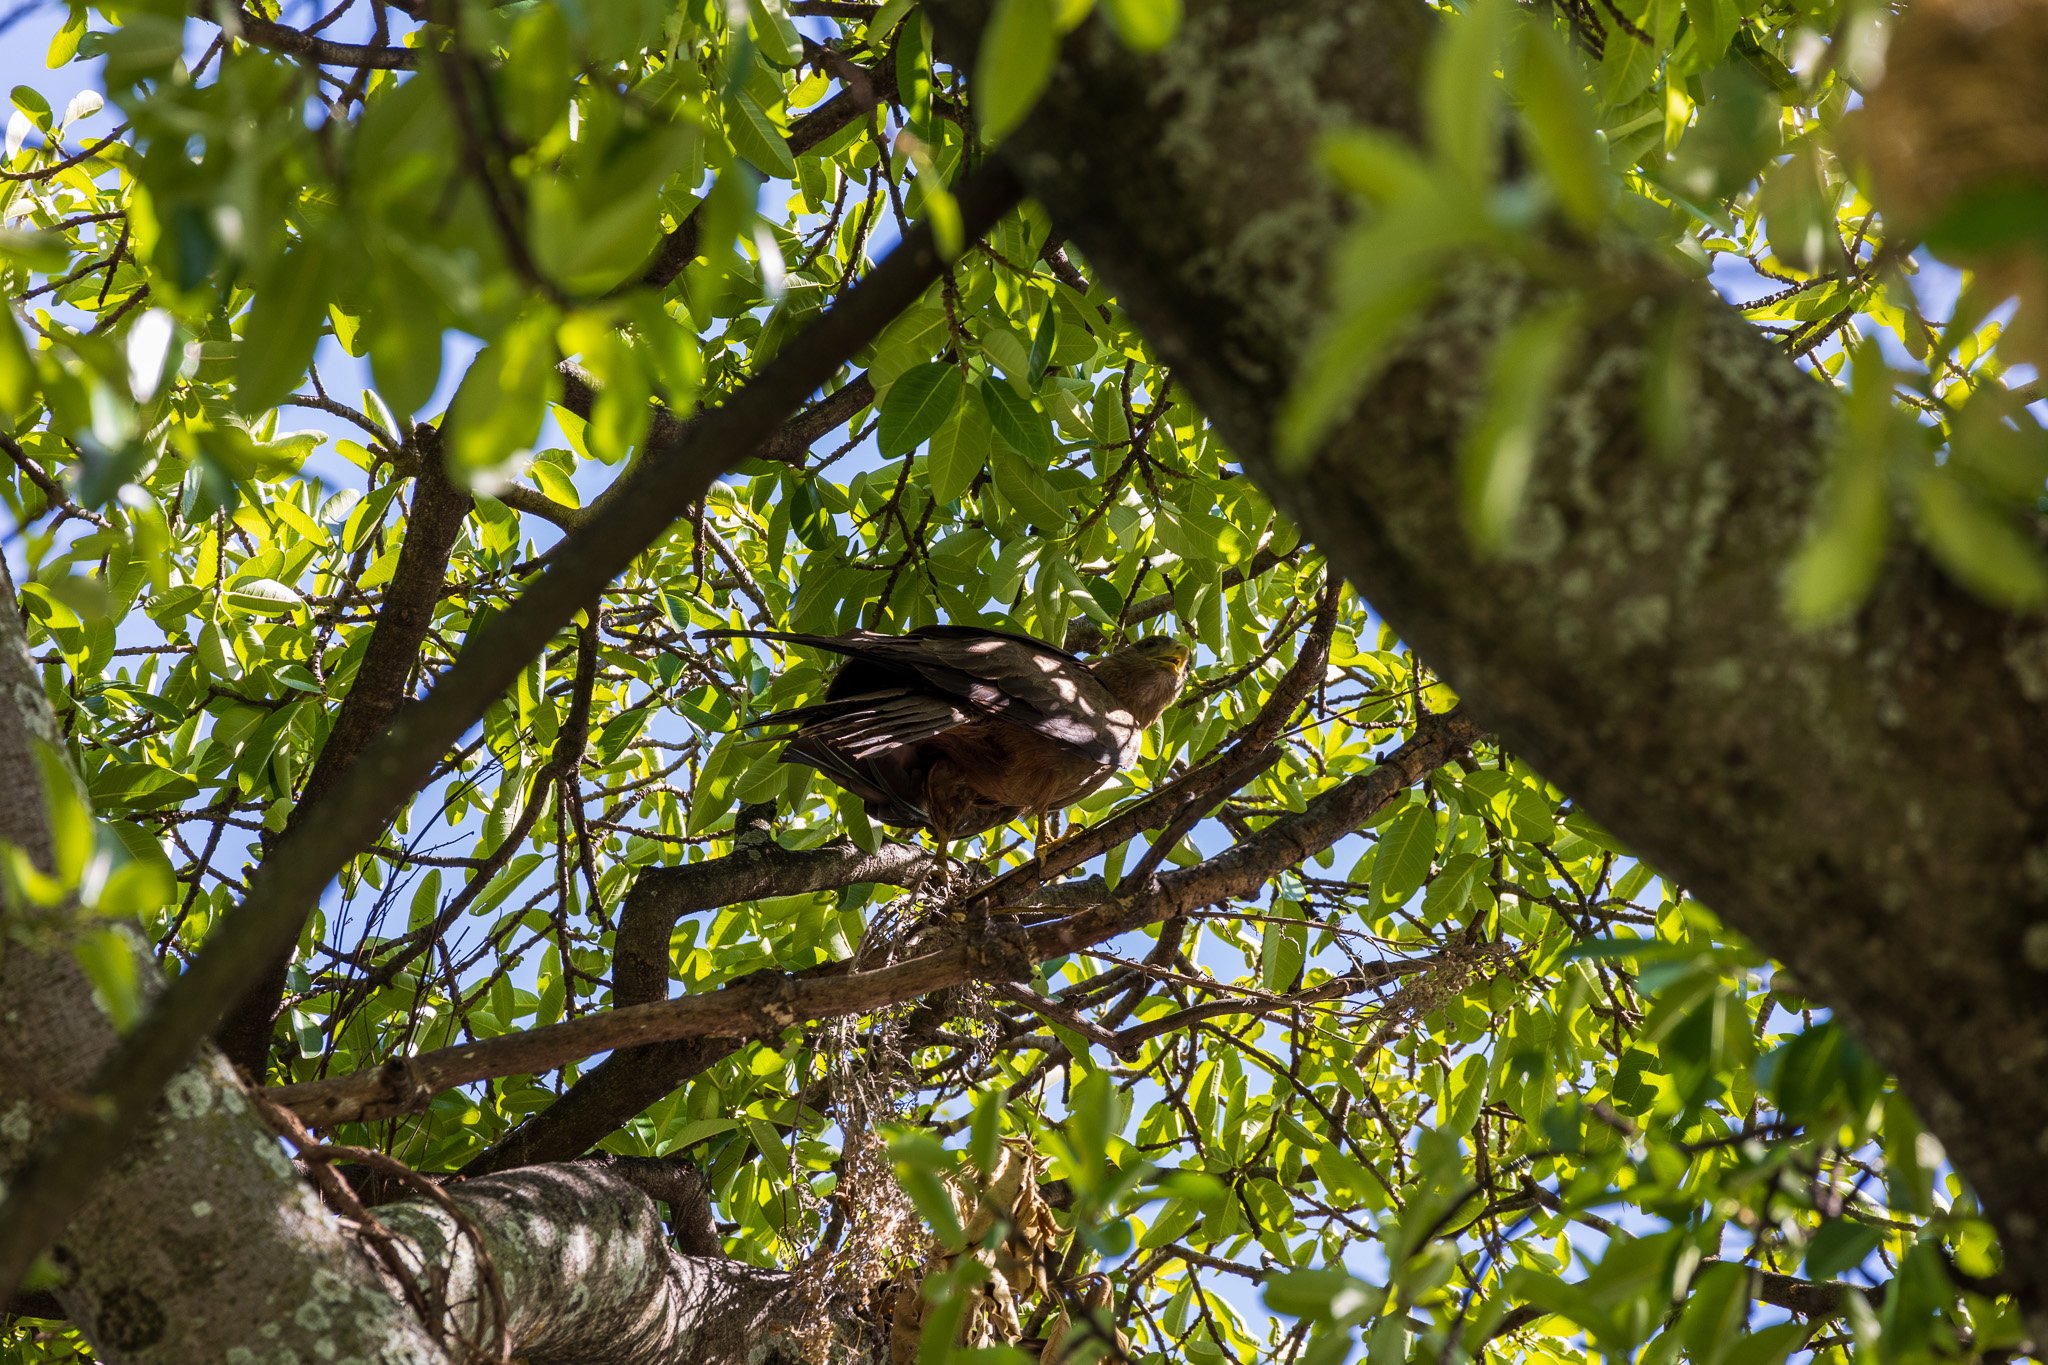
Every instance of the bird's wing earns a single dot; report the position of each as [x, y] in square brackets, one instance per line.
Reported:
[866, 724]
[1000, 674]
[868, 745]
[1035, 687]
[885, 785]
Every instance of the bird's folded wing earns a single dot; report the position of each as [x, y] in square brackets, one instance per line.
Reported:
[873, 722]
[1033, 686]
[1012, 678]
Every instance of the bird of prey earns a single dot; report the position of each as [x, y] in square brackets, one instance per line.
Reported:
[959, 729]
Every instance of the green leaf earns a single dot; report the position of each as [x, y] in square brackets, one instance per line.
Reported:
[1713, 26]
[1980, 542]
[31, 102]
[1042, 342]
[696, 1130]
[1173, 1223]
[1382, 167]
[403, 331]
[942, 212]
[1450, 891]
[917, 1171]
[916, 335]
[918, 404]
[1462, 95]
[1026, 490]
[1991, 219]
[1840, 1245]
[108, 959]
[959, 451]
[73, 831]
[1799, 212]
[592, 227]
[17, 372]
[1143, 25]
[1387, 274]
[1563, 126]
[911, 56]
[1015, 62]
[1737, 131]
[497, 411]
[1021, 426]
[885, 20]
[44, 251]
[1627, 67]
[775, 34]
[1401, 865]
[1282, 950]
[1717, 1307]
[284, 326]
[64, 45]
[1499, 451]
[1318, 1294]
[261, 597]
[1466, 1093]
[1852, 527]
[755, 137]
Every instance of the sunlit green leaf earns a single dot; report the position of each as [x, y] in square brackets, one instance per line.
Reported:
[284, 324]
[1015, 62]
[959, 449]
[919, 403]
[1144, 25]
[1462, 92]
[1563, 129]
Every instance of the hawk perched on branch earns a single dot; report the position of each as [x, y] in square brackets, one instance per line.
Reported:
[959, 729]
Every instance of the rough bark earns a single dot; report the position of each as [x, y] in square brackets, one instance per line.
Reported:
[584, 1272]
[1865, 801]
[202, 1239]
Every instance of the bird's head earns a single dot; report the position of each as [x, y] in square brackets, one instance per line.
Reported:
[1165, 653]
[1145, 676]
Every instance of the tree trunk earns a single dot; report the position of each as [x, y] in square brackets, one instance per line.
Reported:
[1866, 801]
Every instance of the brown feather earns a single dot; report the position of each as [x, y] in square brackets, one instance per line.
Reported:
[958, 729]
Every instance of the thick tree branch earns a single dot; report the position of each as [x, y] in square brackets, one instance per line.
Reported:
[663, 895]
[268, 920]
[587, 1271]
[627, 1082]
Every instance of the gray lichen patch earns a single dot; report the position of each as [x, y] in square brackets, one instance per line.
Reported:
[1642, 622]
[17, 1124]
[189, 1095]
[2026, 654]
[1270, 224]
